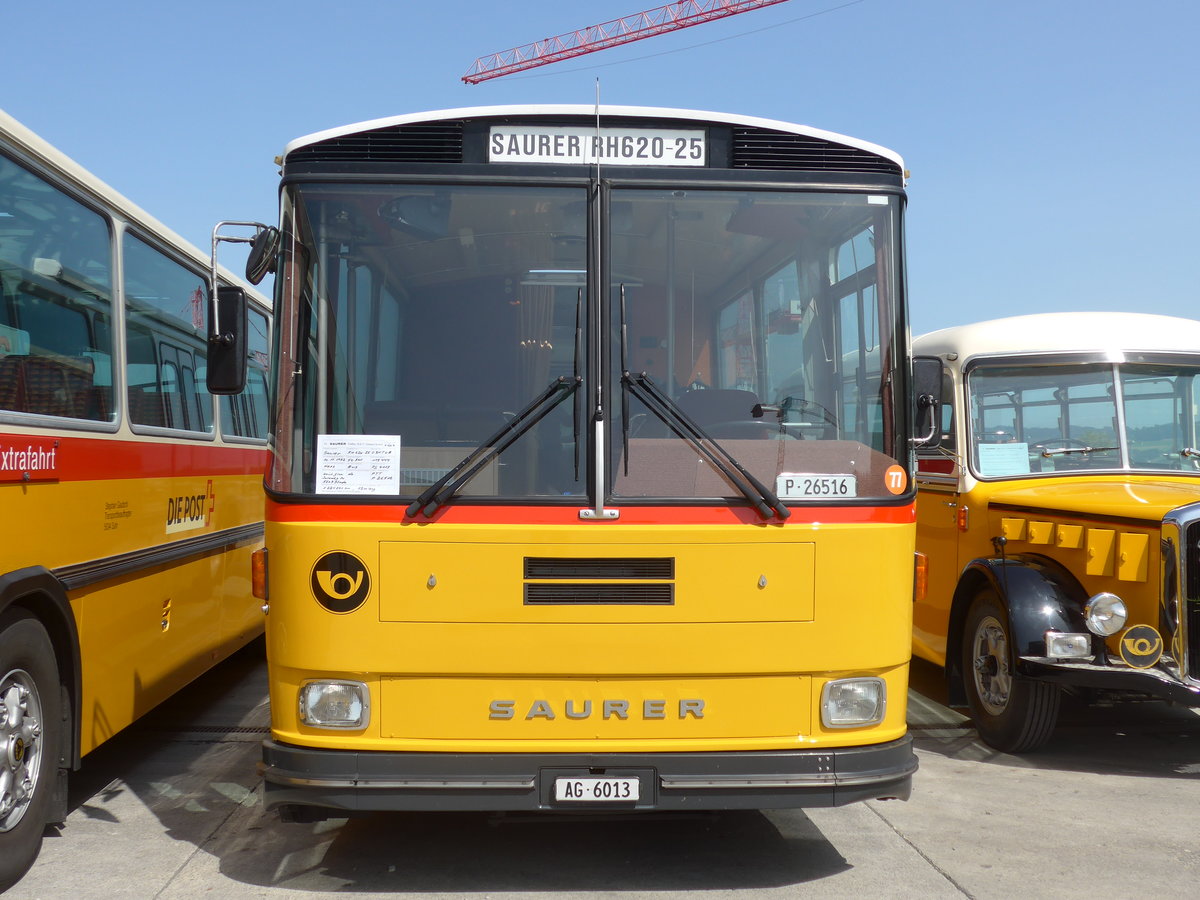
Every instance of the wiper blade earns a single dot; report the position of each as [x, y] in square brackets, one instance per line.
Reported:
[436, 495]
[760, 496]
[1060, 451]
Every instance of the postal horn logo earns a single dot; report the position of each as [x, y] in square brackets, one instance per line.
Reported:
[1141, 646]
[340, 581]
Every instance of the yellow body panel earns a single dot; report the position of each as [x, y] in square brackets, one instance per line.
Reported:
[761, 618]
[1103, 529]
[145, 634]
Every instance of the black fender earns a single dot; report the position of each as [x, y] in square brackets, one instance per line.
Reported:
[1039, 595]
[37, 590]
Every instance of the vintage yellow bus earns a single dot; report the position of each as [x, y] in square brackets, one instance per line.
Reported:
[589, 482]
[1060, 515]
[132, 499]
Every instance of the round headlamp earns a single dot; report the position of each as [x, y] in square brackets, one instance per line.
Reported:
[1105, 614]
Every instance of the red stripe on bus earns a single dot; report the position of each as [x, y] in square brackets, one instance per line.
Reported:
[569, 515]
[60, 458]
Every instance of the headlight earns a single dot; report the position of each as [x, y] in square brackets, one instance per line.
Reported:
[1105, 614]
[335, 704]
[853, 702]
[1064, 645]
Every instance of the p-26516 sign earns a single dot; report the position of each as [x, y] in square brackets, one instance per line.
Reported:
[573, 145]
[799, 486]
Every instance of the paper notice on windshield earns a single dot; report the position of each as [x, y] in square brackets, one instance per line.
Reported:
[358, 464]
[997, 460]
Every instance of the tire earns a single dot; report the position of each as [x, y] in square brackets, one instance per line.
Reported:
[29, 739]
[1011, 713]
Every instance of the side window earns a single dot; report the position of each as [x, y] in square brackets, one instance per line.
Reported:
[737, 362]
[245, 414]
[949, 424]
[55, 301]
[167, 312]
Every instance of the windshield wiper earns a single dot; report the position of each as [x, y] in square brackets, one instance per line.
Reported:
[1060, 451]
[760, 496]
[445, 487]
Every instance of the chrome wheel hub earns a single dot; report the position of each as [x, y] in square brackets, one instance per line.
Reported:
[20, 745]
[989, 664]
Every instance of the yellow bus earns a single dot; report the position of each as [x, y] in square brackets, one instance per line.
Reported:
[1060, 514]
[589, 483]
[131, 498]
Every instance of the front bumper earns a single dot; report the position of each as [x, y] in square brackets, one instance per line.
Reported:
[1154, 681]
[348, 781]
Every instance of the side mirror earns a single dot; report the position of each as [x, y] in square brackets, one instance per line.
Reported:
[227, 343]
[927, 400]
[263, 249]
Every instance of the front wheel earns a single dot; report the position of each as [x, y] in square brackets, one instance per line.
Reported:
[1011, 713]
[29, 732]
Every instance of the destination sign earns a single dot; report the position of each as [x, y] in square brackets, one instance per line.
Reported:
[570, 145]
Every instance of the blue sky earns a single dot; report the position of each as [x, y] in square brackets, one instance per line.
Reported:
[1052, 143]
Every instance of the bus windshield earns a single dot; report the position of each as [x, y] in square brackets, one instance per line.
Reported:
[1030, 419]
[434, 314]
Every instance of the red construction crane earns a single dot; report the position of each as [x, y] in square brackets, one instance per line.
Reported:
[625, 30]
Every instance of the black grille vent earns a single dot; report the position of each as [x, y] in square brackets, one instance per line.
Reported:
[567, 567]
[437, 142]
[1193, 637]
[1191, 562]
[608, 594]
[758, 148]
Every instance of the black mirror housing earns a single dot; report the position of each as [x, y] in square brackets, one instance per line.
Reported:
[261, 259]
[927, 399]
[227, 343]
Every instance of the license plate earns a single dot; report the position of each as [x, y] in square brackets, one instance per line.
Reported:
[816, 487]
[593, 789]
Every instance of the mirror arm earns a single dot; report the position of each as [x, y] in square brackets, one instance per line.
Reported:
[214, 329]
[924, 402]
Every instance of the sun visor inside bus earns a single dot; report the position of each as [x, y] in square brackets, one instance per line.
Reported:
[422, 215]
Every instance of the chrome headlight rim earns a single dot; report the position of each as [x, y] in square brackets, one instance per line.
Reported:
[359, 688]
[1105, 614]
[829, 721]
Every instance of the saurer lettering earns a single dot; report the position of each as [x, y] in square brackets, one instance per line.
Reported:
[604, 709]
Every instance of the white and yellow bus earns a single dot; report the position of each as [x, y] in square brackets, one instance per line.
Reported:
[589, 484]
[1060, 514]
[131, 498]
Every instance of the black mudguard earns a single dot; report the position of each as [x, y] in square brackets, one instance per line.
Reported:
[1039, 594]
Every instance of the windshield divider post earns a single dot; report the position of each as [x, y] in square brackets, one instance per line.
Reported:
[577, 410]
[624, 385]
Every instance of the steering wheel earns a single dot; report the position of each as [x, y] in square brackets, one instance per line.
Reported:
[807, 409]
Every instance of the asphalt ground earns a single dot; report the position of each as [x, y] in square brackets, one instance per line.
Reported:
[1111, 808]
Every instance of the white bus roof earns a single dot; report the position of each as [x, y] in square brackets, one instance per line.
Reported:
[14, 134]
[1110, 333]
[474, 112]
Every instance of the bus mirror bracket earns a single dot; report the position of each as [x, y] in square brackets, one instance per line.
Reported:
[227, 320]
[927, 396]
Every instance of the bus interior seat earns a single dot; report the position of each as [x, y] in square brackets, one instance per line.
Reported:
[146, 406]
[48, 385]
